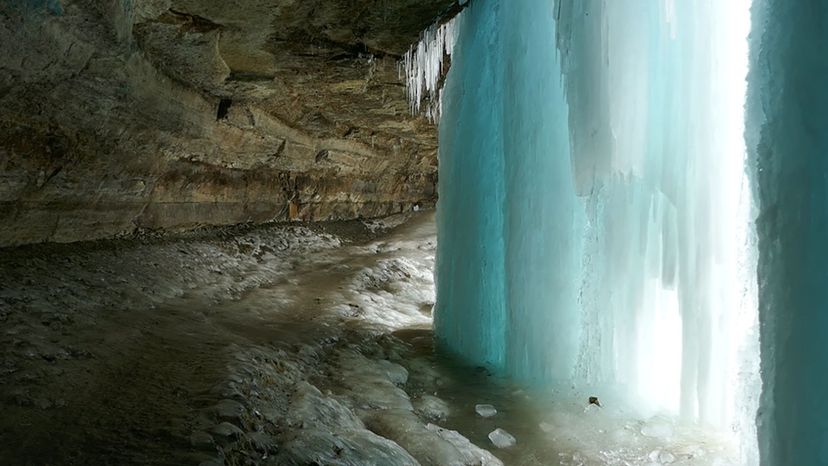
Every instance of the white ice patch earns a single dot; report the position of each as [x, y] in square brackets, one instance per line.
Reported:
[502, 439]
[615, 434]
[399, 291]
[485, 410]
[471, 452]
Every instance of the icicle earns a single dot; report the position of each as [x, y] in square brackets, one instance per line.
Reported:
[423, 67]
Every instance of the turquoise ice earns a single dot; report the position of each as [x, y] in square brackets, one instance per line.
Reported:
[595, 217]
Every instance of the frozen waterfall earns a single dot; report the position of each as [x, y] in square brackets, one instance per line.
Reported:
[595, 218]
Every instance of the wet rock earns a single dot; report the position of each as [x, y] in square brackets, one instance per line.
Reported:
[424, 443]
[226, 431]
[396, 373]
[44, 403]
[229, 410]
[352, 448]
[227, 390]
[422, 372]
[472, 454]
[202, 440]
[309, 408]
[369, 385]
[262, 442]
[431, 407]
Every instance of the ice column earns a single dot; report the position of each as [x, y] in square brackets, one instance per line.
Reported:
[543, 216]
[470, 251]
[788, 142]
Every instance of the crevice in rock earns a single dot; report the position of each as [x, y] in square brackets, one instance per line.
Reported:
[322, 155]
[223, 109]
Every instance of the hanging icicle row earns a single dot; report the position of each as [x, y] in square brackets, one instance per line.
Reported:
[424, 66]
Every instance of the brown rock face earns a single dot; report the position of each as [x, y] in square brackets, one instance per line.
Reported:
[124, 114]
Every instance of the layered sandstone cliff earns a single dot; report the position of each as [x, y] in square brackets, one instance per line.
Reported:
[119, 115]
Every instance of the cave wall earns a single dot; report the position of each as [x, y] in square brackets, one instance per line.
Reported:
[120, 115]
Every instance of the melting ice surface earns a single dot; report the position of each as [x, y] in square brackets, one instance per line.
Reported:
[594, 216]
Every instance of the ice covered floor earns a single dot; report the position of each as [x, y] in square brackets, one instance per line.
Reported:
[282, 346]
[556, 427]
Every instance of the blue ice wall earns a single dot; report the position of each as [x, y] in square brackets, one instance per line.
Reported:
[788, 142]
[470, 315]
[503, 246]
[542, 213]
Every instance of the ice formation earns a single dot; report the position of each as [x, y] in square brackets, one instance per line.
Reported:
[423, 67]
[595, 215]
[485, 410]
[788, 144]
[502, 439]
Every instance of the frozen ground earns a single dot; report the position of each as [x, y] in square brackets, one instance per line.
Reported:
[282, 346]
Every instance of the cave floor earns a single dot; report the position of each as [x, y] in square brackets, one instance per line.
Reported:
[278, 345]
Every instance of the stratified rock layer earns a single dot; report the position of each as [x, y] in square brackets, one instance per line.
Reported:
[168, 114]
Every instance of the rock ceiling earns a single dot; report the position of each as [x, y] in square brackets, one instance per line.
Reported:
[168, 114]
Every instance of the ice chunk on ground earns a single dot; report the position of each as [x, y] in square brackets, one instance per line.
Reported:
[662, 457]
[368, 384]
[502, 439]
[657, 427]
[428, 444]
[546, 427]
[346, 448]
[485, 410]
[471, 452]
[310, 409]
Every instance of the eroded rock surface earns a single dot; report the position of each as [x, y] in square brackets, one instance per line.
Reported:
[167, 114]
